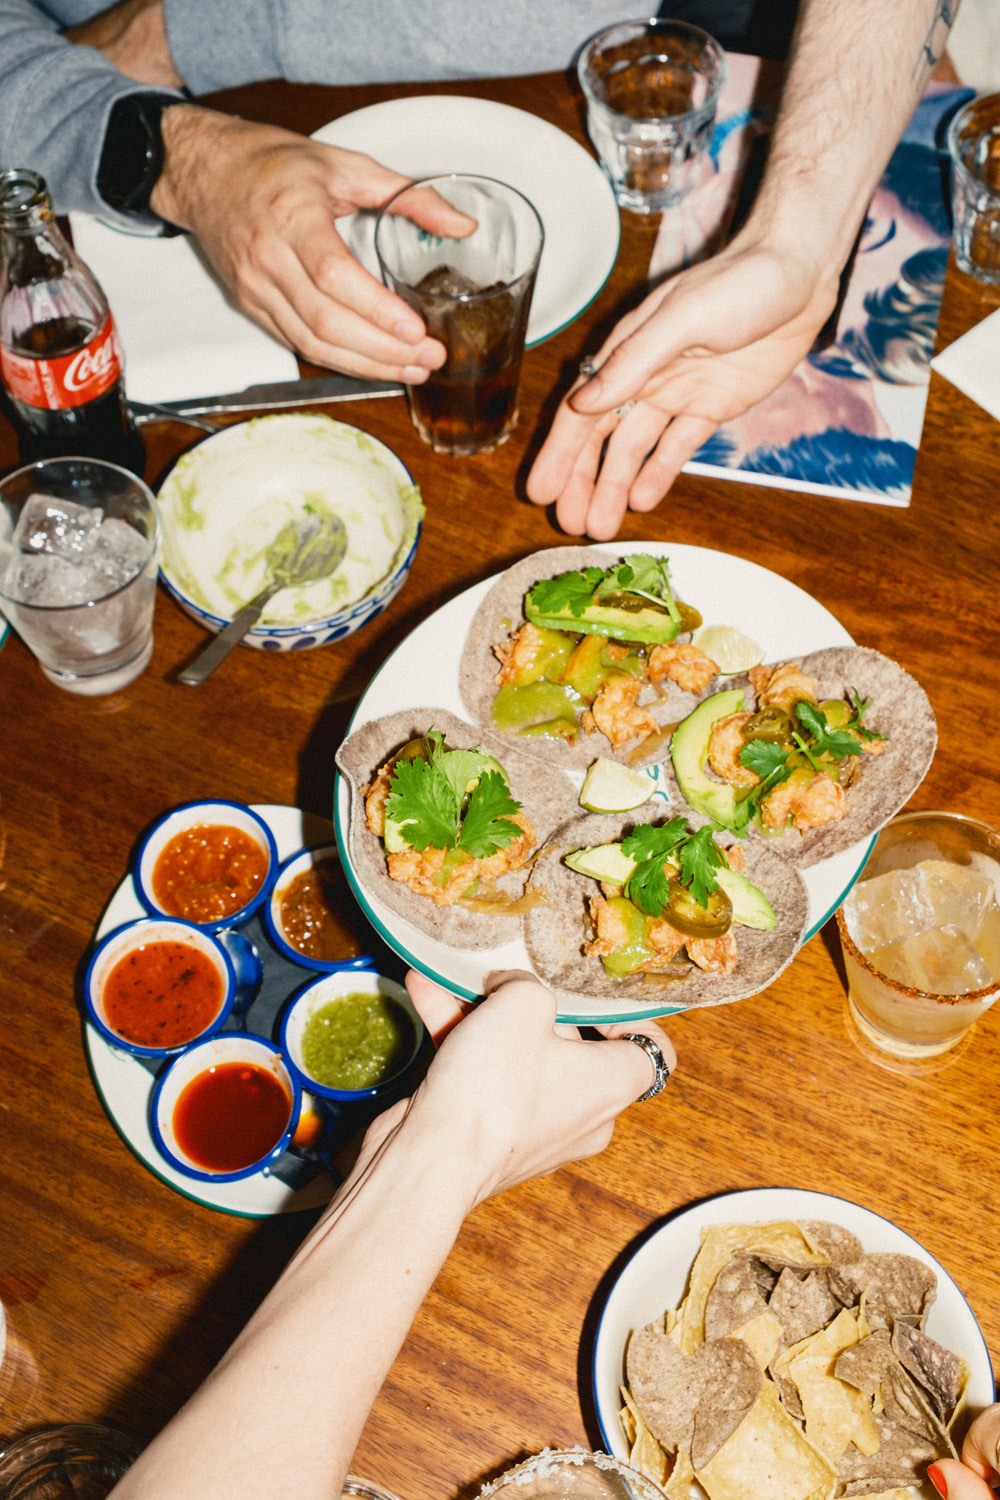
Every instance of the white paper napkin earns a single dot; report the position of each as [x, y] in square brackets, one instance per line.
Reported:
[182, 333]
[972, 363]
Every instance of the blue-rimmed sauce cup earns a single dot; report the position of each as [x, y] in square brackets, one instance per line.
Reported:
[326, 917]
[212, 813]
[221, 1101]
[322, 996]
[148, 981]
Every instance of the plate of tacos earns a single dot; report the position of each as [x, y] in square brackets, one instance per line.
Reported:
[753, 786]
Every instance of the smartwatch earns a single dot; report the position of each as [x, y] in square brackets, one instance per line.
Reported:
[132, 156]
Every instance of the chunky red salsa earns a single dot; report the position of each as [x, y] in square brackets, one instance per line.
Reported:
[230, 1116]
[162, 994]
[207, 873]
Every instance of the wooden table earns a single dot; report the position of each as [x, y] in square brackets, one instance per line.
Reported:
[121, 1294]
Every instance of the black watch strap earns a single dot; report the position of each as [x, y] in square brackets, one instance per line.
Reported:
[132, 156]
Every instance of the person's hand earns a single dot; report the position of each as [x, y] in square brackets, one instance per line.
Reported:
[522, 1094]
[700, 350]
[968, 1480]
[263, 203]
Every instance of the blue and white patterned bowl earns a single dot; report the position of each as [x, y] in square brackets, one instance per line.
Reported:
[226, 500]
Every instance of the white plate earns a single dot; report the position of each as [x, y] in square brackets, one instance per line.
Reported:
[437, 133]
[656, 1278]
[423, 672]
[124, 1085]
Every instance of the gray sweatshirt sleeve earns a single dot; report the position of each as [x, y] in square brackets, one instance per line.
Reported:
[221, 43]
[55, 99]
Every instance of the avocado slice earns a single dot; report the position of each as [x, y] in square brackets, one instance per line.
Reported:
[689, 753]
[602, 862]
[393, 836]
[620, 617]
[751, 907]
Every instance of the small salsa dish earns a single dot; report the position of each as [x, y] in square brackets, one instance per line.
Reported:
[350, 1035]
[226, 1108]
[158, 984]
[210, 862]
[312, 917]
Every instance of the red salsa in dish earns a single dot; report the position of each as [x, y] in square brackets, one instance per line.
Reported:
[209, 872]
[318, 914]
[162, 994]
[230, 1116]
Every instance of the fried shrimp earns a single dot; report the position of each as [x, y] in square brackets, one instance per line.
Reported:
[375, 798]
[714, 955]
[518, 654]
[784, 685]
[808, 804]
[724, 746]
[613, 934]
[616, 713]
[427, 873]
[690, 668]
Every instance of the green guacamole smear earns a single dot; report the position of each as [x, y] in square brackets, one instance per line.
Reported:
[356, 1041]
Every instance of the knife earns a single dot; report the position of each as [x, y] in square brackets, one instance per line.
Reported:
[261, 397]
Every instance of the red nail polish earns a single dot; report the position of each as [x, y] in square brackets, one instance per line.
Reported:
[937, 1479]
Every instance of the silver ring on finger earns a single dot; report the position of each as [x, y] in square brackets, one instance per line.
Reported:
[660, 1070]
[588, 368]
[625, 408]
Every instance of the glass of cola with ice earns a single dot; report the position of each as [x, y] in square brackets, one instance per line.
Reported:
[474, 295]
[78, 555]
[921, 934]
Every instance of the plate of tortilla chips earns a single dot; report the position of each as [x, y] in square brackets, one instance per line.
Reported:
[447, 667]
[780, 1344]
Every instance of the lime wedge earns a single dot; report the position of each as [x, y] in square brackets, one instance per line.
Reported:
[728, 647]
[611, 787]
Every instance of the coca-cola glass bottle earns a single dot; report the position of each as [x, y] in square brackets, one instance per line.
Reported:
[60, 357]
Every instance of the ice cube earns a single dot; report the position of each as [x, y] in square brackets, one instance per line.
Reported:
[958, 893]
[944, 962]
[482, 326]
[57, 526]
[888, 907]
[987, 941]
[891, 960]
[117, 550]
[44, 578]
[446, 281]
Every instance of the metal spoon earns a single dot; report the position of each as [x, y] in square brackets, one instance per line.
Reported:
[311, 547]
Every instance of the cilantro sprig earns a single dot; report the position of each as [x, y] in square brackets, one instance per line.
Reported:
[428, 800]
[641, 574]
[659, 852]
[774, 763]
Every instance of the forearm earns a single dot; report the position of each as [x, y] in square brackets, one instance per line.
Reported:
[856, 74]
[281, 1415]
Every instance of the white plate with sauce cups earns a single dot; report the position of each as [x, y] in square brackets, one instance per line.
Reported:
[212, 813]
[129, 942]
[330, 990]
[276, 923]
[221, 1100]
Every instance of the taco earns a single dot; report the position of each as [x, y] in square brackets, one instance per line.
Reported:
[454, 882]
[575, 654]
[816, 753]
[611, 934]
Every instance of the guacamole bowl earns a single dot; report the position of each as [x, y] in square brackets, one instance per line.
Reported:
[226, 502]
[350, 1036]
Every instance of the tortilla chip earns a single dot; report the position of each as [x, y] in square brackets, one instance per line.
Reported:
[678, 1486]
[899, 1461]
[901, 1286]
[767, 1458]
[691, 1401]
[645, 1453]
[555, 934]
[501, 612]
[836, 1414]
[718, 1242]
[731, 1381]
[864, 1365]
[762, 1335]
[834, 1240]
[547, 797]
[735, 1298]
[802, 1306]
[941, 1374]
[901, 712]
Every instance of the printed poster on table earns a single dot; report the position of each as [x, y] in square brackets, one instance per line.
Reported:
[847, 421]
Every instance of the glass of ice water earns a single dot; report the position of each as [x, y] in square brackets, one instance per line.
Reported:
[78, 549]
[652, 89]
[921, 934]
[974, 144]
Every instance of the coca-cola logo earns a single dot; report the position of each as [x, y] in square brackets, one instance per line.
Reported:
[91, 365]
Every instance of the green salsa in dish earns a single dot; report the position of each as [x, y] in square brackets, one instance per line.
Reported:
[357, 1041]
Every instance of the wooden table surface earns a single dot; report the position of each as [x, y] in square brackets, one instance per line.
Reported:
[121, 1294]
